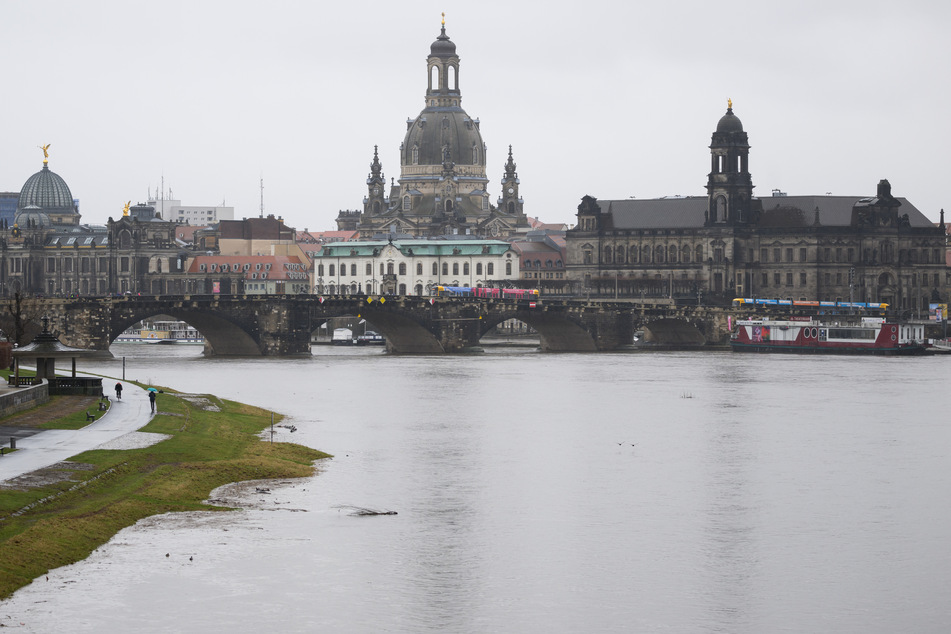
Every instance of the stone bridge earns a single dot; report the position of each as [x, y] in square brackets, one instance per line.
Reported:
[269, 325]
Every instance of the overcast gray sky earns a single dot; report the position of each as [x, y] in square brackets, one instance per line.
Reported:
[611, 99]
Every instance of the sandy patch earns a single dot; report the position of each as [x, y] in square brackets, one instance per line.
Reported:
[134, 440]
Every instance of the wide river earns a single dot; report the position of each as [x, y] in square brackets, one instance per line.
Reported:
[628, 492]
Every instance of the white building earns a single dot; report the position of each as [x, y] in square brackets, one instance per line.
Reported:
[412, 267]
[201, 216]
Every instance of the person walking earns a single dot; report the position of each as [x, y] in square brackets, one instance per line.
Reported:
[118, 391]
[152, 400]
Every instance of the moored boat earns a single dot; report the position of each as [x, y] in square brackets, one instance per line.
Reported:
[834, 334]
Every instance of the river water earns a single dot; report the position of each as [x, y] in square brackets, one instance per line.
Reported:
[637, 492]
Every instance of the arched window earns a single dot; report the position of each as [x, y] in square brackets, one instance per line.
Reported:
[548, 264]
[448, 206]
[376, 207]
[403, 269]
[435, 269]
[685, 255]
[608, 252]
[407, 203]
[490, 269]
[645, 254]
[434, 78]
[331, 270]
[478, 268]
[353, 270]
[402, 289]
[452, 78]
[415, 155]
[620, 254]
[455, 268]
[445, 268]
[465, 268]
[419, 269]
[382, 269]
[508, 268]
[511, 208]
[369, 269]
[698, 257]
[419, 289]
[659, 255]
[389, 268]
[320, 270]
[632, 253]
[672, 254]
[475, 154]
[333, 289]
[721, 209]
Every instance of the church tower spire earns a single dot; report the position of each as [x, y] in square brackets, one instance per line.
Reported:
[375, 202]
[729, 184]
[510, 202]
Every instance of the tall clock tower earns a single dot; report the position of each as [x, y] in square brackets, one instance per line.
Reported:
[510, 203]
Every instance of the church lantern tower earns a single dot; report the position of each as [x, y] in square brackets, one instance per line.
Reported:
[729, 185]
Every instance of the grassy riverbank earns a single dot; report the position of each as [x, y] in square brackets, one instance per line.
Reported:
[212, 442]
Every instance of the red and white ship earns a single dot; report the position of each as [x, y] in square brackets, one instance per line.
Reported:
[834, 334]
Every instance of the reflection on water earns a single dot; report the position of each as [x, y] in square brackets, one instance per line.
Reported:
[548, 492]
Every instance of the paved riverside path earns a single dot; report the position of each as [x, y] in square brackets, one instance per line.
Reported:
[55, 445]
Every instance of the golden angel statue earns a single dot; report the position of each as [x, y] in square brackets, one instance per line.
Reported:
[125, 208]
[46, 154]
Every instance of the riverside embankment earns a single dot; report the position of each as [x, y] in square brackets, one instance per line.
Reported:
[95, 481]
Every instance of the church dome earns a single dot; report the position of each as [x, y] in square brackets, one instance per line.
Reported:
[47, 192]
[443, 46]
[729, 122]
[438, 129]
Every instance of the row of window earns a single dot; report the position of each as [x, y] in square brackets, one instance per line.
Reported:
[538, 264]
[885, 252]
[647, 254]
[390, 269]
[235, 268]
[839, 279]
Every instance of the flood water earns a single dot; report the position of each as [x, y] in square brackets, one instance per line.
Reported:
[638, 492]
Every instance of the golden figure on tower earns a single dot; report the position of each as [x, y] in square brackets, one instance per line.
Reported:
[46, 154]
[125, 209]
[729, 103]
[444, 18]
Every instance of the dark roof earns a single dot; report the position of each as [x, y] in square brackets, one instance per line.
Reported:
[688, 212]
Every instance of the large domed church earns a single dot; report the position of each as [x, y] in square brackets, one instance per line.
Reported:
[442, 188]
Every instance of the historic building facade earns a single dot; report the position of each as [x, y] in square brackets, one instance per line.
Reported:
[48, 251]
[443, 188]
[412, 267]
[730, 243]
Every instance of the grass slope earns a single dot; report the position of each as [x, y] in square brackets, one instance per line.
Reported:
[61, 523]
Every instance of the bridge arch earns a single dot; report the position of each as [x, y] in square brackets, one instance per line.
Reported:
[222, 336]
[556, 334]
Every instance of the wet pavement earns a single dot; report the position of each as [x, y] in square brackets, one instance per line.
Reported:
[40, 449]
